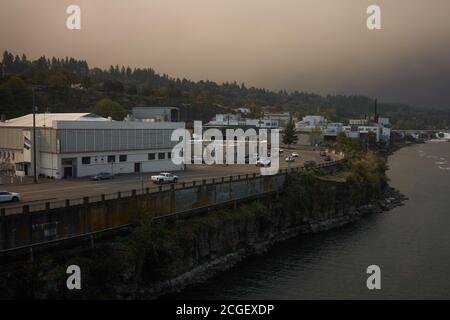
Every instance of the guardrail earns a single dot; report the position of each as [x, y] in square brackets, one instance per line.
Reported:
[97, 216]
[29, 208]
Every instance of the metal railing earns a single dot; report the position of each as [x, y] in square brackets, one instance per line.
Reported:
[146, 191]
[43, 206]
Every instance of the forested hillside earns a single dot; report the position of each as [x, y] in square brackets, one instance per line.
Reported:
[70, 85]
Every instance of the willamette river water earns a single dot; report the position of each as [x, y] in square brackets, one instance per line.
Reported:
[411, 244]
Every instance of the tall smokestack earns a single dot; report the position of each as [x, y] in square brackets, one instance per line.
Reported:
[375, 116]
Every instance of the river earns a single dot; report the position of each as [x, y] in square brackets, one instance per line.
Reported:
[411, 244]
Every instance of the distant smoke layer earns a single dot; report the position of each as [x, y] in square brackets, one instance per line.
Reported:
[308, 45]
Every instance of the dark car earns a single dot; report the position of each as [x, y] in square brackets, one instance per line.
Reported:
[102, 176]
[327, 158]
[310, 163]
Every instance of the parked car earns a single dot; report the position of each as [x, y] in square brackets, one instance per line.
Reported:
[327, 158]
[295, 155]
[6, 196]
[323, 154]
[103, 176]
[164, 177]
[290, 159]
[263, 162]
[310, 163]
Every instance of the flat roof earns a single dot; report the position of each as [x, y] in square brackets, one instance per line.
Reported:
[118, 125]
[45, 120]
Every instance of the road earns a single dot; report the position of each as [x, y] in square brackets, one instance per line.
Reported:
[59, 190]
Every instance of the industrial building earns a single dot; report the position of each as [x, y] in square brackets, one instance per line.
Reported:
[83, 144]
[155, 114]
[237, 120]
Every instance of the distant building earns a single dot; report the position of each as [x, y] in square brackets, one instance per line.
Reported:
[384, 122]
[236, 120]
[84, 144]
[263, 123]
[360, 128]
[243, 110]
[309, 130]
[282, 118]
[156, 114]
[311, 122]
[379, 126]
[358, 122]
[227, 120]
[313, 130]
[331, 131]
[310, 138]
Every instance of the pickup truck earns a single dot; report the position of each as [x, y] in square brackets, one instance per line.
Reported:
[164, 177]
[263, 162]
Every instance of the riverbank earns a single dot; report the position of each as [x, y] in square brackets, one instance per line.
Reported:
[410, 244]
[161, 258]
[391, 199]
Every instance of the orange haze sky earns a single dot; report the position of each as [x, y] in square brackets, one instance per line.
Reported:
[320, 46]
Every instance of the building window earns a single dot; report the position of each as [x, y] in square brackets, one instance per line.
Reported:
[86, 160]
[151, 156]
[111, 159]
[123, 158]
[169, 155]
[161, 156]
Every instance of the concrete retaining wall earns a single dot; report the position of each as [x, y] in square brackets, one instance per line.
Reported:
[24, 229]
[87, 217]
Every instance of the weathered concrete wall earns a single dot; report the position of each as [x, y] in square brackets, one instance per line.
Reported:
[224, 241]
[24, 229]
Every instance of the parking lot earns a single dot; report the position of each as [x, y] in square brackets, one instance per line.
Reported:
[57, 190]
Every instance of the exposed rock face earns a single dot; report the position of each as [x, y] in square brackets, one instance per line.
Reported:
[195, 249]
[219, 247]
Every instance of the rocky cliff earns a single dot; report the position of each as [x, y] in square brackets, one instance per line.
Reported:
[159, 258]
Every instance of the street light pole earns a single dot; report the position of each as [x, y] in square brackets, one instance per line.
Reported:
[34, 139]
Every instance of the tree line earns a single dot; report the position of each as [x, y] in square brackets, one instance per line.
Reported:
[71, 85]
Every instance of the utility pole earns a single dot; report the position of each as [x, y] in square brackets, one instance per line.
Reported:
[34, 139]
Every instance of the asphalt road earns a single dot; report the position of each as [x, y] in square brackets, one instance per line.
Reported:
[59, 190]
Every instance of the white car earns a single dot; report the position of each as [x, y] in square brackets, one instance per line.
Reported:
[164, 177]
[295, 155]
[6, 196]
[290, 159]
[263, 162]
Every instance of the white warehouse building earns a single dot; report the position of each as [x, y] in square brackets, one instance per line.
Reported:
[83, 144]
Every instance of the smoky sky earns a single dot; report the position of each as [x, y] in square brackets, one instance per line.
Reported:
[320, 46]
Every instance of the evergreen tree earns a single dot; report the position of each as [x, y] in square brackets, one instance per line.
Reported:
[289, 134]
